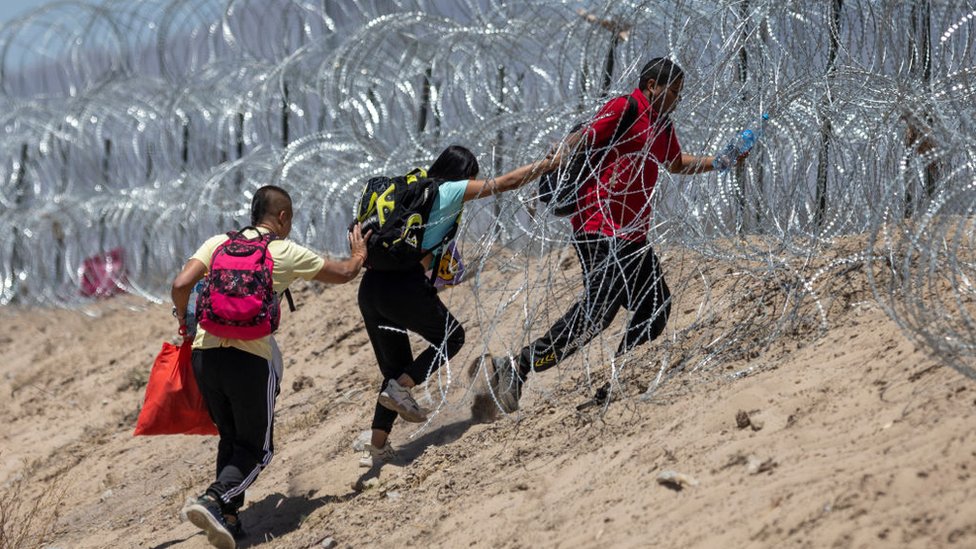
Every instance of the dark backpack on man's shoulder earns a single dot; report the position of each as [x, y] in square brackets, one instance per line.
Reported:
[560, 188]
[397, 210]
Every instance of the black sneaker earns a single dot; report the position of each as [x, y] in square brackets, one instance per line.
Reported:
[204, 512]
[506, 384]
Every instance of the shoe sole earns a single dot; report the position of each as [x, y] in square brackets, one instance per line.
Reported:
[407, 415]
[217, 535]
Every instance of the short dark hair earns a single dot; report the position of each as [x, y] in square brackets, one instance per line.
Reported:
[455, 163]
[269, 200]
[660, 70]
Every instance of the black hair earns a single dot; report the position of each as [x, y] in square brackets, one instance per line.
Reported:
[269, 200]
[455, 163]
[661, 71]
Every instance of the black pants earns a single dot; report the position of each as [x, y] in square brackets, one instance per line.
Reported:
[239, 389]
[391, 304]
[616, 273]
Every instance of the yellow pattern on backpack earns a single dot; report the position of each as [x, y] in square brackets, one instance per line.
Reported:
[382, 205]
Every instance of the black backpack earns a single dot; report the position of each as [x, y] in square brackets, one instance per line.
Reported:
[560, 188]
[397, 210]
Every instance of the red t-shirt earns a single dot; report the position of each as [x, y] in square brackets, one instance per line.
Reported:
[617, 203]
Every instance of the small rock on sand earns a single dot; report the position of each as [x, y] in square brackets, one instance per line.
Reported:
[742, 419]
[675, 480]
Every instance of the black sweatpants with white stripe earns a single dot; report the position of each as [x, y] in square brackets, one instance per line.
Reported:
[239, 389]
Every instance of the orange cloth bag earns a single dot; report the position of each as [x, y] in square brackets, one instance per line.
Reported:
[173, 404]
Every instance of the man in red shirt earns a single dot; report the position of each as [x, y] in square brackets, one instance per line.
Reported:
[610, 230]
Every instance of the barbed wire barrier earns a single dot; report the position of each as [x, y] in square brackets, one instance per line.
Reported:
[134, 130]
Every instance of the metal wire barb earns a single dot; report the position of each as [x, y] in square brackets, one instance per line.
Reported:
[139, 128]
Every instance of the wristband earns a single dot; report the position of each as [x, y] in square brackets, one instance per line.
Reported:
[178, 316]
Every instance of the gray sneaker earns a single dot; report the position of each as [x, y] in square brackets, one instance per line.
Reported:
[506, 384]
[375, 456]
[398, 398]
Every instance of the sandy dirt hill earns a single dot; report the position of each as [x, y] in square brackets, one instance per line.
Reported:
[842, 436]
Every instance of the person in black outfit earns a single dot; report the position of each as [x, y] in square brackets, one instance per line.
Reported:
[393, 302]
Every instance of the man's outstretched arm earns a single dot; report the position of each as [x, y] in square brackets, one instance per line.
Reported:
[689, 164]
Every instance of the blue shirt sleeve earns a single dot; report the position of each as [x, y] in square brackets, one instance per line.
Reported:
[443, 215]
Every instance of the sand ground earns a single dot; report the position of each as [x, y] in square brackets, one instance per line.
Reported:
[847, 436]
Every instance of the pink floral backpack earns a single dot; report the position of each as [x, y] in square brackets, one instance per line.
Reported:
[237, 300]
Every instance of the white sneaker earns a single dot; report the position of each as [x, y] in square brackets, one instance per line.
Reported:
[376, 456]
[398, 398]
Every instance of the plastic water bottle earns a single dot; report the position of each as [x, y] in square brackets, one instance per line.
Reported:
[191, 310]
[742, 144]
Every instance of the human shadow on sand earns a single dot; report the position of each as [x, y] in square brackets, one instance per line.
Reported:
[274, 516]
[277, 515]
[412, 450]
[440, 436]
[173, 542]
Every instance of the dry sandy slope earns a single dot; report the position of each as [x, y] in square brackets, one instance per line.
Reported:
[863, 442]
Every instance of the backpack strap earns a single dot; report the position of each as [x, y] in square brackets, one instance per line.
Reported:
[626, 120]
[415, 174]
[448, 236]
[264, 238]
[291, 302]
[435, 264]
[452, 232]
[435, 260]
[268, 236]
